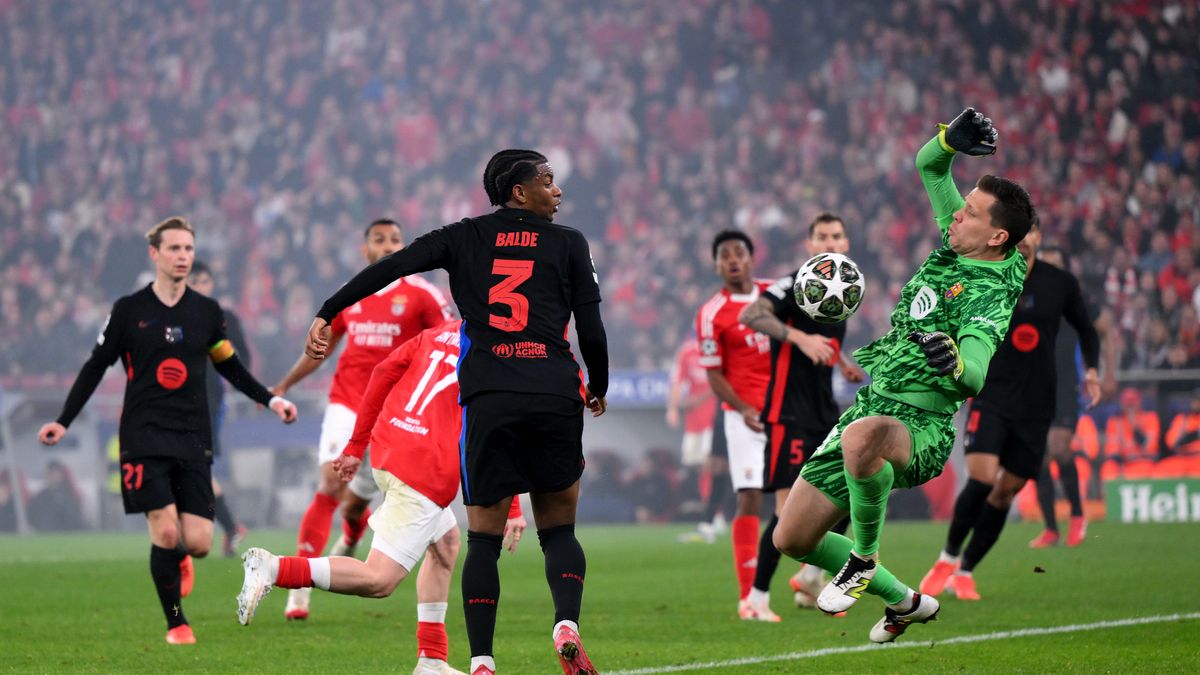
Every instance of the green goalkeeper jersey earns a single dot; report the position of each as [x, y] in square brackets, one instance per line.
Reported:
[950, 293]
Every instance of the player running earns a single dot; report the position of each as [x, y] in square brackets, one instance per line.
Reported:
[951, 317]
[373, 327]
[163, 335]
[410, 416]
[800, 408]
[1066, 418]
[1010, 418]
[517, 278]
[738, 364]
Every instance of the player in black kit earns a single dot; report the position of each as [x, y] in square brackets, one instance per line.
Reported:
[516, 277]
[1009, 419]
[800, 408]
[163, 335]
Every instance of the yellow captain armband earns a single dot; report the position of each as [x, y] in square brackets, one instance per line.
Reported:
[942, 138]
[222, 351]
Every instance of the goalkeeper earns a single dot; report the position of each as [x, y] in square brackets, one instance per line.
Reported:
[951, 317]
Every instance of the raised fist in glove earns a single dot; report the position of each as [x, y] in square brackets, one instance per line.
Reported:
[970, 133]
[941, 352]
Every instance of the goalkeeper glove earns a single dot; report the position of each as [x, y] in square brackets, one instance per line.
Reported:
[941, 352]
[970, 132]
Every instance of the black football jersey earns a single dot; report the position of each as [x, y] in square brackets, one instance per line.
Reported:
[800, 394]
[1022, 379]
[515, 278]
[165, 353]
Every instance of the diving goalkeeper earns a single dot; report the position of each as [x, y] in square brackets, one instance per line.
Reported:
[951, 317]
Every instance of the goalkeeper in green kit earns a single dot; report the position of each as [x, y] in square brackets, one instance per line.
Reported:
[951, 317]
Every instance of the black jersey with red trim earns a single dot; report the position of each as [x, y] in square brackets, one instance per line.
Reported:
[800, 394]
[165, 353]
[1022, 378]
[516, 279]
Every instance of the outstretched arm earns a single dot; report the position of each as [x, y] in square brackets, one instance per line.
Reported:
[970, 133]
[760, 316]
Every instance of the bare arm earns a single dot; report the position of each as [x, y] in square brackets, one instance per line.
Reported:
[760, 316]
[725, 392]
[303, 367]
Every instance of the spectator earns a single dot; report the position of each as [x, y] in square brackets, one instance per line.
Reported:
[56, 507]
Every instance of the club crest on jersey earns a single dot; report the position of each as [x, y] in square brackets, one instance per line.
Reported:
[399, 303]
[923, 303]
[954, 291]
[174, 334]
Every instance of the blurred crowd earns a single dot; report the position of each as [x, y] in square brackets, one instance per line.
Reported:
[280, 128]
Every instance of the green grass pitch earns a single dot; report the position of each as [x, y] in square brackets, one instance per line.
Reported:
[86, 603]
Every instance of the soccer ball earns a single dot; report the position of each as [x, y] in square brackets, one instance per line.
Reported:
[829, 287]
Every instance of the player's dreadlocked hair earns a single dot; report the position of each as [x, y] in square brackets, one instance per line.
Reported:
[508, 168]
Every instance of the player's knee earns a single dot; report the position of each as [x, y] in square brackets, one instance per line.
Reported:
[383, 585]
[788, 543]
[198, 549]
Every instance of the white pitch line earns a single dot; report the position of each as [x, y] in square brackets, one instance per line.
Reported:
[964, 639]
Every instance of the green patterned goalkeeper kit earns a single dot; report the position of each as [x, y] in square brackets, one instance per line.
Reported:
[949, 293]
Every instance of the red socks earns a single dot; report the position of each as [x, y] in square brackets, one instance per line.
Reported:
[315, 526]
[294, 572]
[432, 642]
[745, 551]
[354, 531]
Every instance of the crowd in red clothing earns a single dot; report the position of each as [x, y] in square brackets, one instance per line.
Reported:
[281, 128]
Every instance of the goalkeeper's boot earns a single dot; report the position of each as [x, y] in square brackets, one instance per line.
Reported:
[187, 576]
[893, 624]
[297, 604]
[181, 635]
[257, 582]
[570, 652]
[1046, 539]
[427, 666]
[1076, 531]
[847, 587]
[937, 576]
[343, 547]
[963, 586]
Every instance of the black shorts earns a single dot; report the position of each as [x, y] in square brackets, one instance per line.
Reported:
[149, 483]
[785, 453]
[1020, 444]
[514, 443]
[720, 446]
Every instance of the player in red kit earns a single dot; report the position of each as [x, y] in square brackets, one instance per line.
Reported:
[371, 328]
[738, 361]
[410, 416]
[690, 403]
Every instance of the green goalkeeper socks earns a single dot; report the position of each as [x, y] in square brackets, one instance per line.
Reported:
[832, 553]
[868, 506]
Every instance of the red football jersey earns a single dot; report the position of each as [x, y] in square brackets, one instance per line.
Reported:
[411, 417]
[693, 382]
[376, 325]
[742, 355]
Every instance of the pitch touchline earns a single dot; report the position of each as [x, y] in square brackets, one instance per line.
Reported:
[964, 639]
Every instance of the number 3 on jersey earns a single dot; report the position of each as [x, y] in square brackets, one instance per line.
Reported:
[515, 273]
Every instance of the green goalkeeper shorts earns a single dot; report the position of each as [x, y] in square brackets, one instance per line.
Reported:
[932, 438]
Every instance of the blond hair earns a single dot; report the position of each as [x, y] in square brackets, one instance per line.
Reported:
[154, 235]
